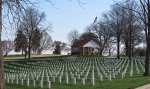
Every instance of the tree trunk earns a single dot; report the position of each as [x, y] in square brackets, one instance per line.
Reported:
[146, 73]
[29, 50]
[130, 42]
[147, 51]
[39, 51]
[22, 52]
[100, 52]
[118, 49]
[126, 48]
[130, 32]
[25, 53]
[132, 49]
[109, 51]
[2, 82]
[118, 44]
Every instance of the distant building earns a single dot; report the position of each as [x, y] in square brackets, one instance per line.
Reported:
[7, 46]
[86, 45]
[66, 50]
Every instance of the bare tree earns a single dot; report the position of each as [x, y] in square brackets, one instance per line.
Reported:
[30, 22]
[103, 30]
[132, 33]
[7, 46]
[13, 8]
[144, 15]
[117, 21]
[73, 35]
[45, 42]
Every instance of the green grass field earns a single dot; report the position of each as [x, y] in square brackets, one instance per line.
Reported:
[128, 83]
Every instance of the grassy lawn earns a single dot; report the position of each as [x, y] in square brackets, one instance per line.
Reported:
[128, 83]
[20, 57]
[13, 57]
[45, 57]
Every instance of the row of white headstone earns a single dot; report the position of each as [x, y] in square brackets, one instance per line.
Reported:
[71, 71]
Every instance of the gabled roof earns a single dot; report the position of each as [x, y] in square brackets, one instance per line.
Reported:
[85, 38]
[92, 44]
[82, 42]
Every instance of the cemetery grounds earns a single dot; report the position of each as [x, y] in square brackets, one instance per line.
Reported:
[72, 72]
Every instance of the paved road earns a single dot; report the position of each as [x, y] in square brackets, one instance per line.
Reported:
[144, 87]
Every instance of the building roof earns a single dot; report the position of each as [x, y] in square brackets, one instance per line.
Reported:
[82, 42]
[84, 39]
[91, 44]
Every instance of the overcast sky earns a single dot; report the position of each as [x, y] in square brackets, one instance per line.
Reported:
[66, 15]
